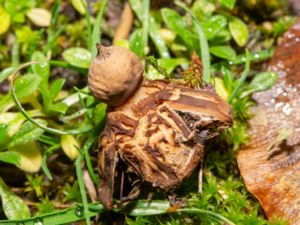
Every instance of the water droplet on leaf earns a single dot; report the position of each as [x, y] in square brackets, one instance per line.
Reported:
[78, 212]
[38, 222]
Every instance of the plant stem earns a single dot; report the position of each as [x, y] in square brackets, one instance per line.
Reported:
[89, 166]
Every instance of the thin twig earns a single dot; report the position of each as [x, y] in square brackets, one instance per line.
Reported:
[89, 186]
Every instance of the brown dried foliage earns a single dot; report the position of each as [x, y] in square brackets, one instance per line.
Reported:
[270, 163]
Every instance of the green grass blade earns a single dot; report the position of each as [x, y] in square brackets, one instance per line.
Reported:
[88, 24]
[65, 216]
[96, 35]
[87, 158]
[44, 159]
[66, 65]
[205, 57]
[154, 34]
[82, 189]
[145, 29]
[15, 54]
[54, 13]
[242, 79]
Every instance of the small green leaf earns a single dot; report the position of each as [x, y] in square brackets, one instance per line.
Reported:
[13, 206]
[56, 87]
[228, 78]
[136, 42]
[10, 157]
[254, 56]
[213, 26]
[228, 3]
[27, 133]
[19, 17]
[7, 117]
[202, 43]
[203, 9]
[153, 74]
[239, 31]
[79, 6]
[171, 64]
[223, 51]
[157, 39]
[261, 82]
[154, 63]
[163, 67]
[28, 38]
[4, 21]
[220, 88]
[40, 17]
[78, 57]
[31, 157]
[54, 12]
[24, 87]
[154, 208]
[3, 132]
[175, 22]
[42, 69]
[99, 113]
[136, 5]
[15, 9]
[15, 120]
[69, 145]
[154, 34]
[6, 72]
[59, 107]
[221, 37]
[283, 24]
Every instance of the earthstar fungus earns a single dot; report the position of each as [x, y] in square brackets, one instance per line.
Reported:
[157, 129]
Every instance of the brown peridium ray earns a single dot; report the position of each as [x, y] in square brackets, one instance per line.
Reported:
[158, 132]
[270, 164]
